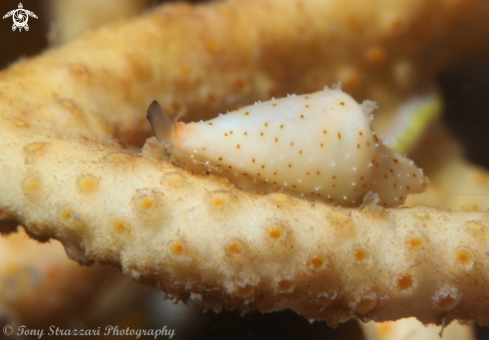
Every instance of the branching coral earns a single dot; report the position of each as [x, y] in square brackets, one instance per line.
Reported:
[72, 18]
[161, 226]
[65, 175]
[34, 275]
[408, 329]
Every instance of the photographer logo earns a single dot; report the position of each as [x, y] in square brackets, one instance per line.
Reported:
[20, 17]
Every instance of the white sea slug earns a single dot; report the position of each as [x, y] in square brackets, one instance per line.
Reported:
[318, 146]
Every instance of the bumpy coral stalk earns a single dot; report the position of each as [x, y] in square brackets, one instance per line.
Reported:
[199, 237]
[201, 60]
[39, 284]
[72, 18]
[410, 329]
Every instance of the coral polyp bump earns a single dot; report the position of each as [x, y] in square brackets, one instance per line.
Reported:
[317, 146]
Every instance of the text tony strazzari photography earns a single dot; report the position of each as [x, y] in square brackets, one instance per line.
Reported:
[107, 331]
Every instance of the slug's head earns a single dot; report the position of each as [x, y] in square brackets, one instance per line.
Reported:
[166, 130]
[161, 124]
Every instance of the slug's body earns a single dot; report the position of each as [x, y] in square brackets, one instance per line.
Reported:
[319, 146]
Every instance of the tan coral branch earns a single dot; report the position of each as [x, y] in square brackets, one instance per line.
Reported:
[201, 60]
[73, 18]
[411, 329]
[39, 284]
[199, 237]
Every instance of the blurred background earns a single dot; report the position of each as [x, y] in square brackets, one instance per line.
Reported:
[128, 304]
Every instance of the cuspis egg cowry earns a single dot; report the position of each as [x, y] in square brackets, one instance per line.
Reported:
[318, 146]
